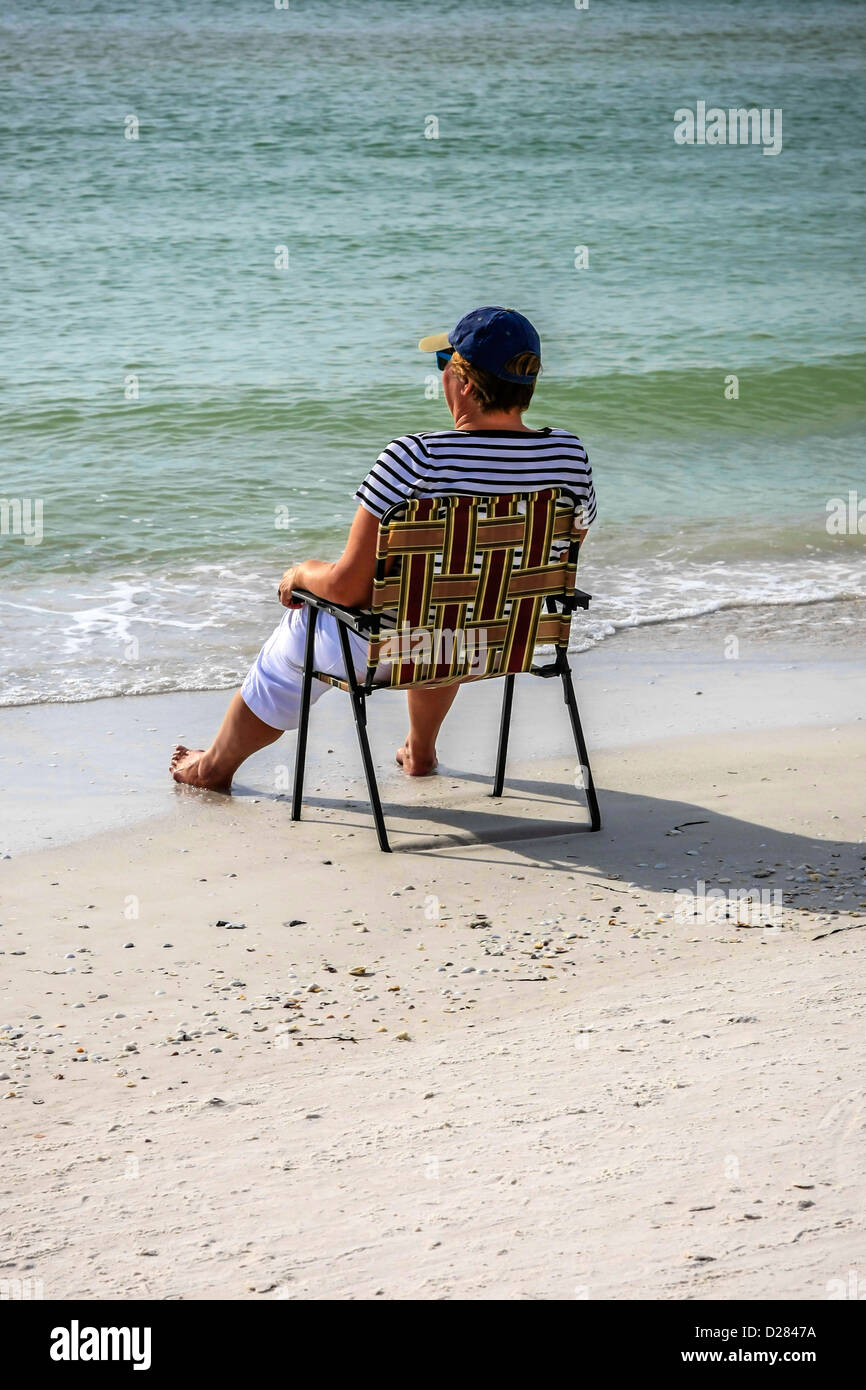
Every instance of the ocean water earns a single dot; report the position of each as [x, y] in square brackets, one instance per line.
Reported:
[192, 414]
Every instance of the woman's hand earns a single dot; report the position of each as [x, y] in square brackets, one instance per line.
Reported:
[287, 583]
[347, 581]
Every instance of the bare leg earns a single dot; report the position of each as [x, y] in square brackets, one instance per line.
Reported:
[427, 709]
[241, 734]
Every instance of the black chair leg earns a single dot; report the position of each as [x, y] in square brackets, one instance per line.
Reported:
[359, 709]
[504, 726]
[580, 744]
[303, 722]
[360, 712]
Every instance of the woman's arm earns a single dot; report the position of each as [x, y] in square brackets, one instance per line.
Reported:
[347, 581]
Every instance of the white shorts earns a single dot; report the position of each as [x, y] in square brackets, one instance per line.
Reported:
[272, 688]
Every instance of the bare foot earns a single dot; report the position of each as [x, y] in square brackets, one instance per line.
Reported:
[413, 764]
[185, 767]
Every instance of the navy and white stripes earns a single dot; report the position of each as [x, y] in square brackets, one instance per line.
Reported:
[479, 462]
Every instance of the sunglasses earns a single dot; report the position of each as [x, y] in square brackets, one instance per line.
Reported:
[442, 360]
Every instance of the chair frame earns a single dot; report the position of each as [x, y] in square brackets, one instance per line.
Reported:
[366, 624]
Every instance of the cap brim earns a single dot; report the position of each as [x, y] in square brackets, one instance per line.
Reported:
[437, 342]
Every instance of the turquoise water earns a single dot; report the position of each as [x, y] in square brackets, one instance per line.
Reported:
[263, 394]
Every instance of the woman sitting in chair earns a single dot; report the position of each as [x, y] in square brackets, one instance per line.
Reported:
[490, 363]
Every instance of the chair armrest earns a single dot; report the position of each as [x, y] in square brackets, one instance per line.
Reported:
[358, 619]
[576, 599]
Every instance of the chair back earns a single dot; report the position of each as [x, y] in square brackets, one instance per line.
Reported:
[467, 587]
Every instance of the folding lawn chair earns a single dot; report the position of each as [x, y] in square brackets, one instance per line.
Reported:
[465, 589]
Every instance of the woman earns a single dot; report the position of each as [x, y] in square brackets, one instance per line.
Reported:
[490, 364]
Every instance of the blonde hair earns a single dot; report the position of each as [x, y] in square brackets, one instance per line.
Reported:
[491, 392]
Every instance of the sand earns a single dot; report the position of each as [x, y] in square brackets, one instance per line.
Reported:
[245, 1059]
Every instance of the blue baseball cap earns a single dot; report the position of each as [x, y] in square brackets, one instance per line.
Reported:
[488, 338]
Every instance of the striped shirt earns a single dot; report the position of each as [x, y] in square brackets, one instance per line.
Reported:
[479, 462]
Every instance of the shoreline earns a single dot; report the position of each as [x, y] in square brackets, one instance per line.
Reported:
[74, 770]
[694, 627]
[140, 638]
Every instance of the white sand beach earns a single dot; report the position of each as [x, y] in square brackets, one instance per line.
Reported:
[243, 1058]
[275, 273]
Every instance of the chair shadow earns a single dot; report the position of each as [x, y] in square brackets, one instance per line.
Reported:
[716, 842]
